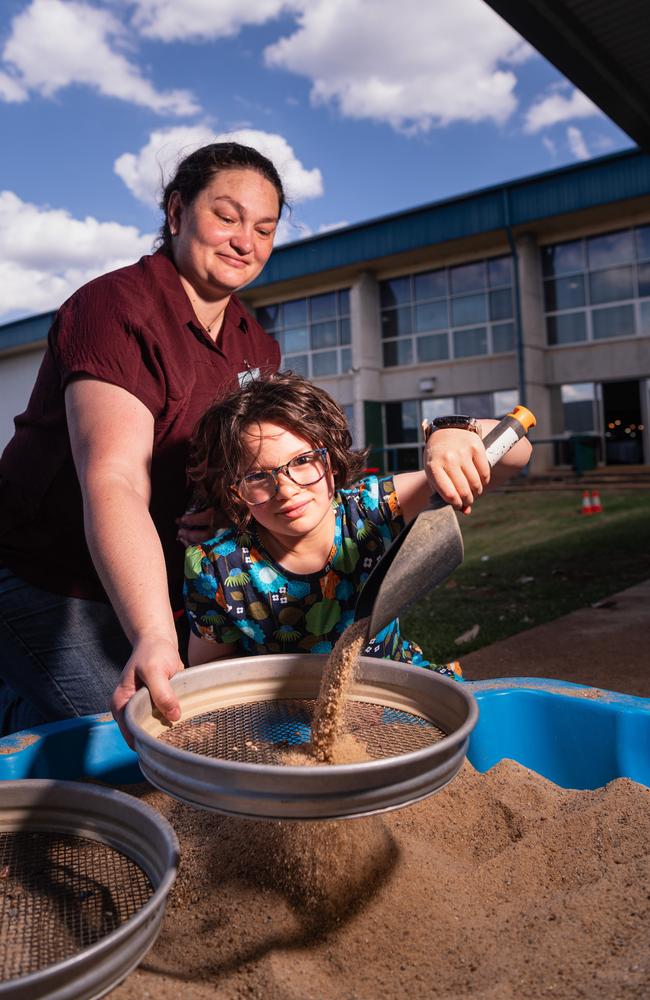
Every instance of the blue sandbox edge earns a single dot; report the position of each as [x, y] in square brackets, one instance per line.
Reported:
[574, 735]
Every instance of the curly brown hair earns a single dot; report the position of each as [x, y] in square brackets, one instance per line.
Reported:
[219, 457]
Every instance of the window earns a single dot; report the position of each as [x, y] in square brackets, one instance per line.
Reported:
[313, 333]
[606, 278]
[454, 312]
[403, 420]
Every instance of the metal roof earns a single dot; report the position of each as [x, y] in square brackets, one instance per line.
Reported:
[600, 45]
[580, 186]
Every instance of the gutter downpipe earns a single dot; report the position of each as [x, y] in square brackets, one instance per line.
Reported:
[521, 373]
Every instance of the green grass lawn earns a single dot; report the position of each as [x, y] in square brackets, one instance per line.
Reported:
[510, 538]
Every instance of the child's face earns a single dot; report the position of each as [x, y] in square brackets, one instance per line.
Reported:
[295, 510]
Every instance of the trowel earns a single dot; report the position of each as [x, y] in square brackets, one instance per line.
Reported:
[430, 548]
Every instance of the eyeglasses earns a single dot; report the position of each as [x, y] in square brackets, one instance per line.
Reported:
[303, 470]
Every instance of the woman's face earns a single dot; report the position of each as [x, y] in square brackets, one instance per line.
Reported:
[223, 239]
[295, 511]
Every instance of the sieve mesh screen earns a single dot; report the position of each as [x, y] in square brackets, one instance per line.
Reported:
[60, 893]
[259, 732]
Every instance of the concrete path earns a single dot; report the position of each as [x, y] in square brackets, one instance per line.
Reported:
[606, 646]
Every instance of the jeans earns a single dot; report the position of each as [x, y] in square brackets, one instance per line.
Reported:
[60, 656]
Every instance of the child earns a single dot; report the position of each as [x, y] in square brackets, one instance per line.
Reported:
[307, 528]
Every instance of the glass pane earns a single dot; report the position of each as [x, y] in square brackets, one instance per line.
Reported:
[324, 335]
[468, 277]
[395, 292]
[613, 248]
[566, 329]
[577, 392]
[279, 336]
[608, 286]
[564, 293]
[615, 322]
[298, 363]
[432, 285]
[500, 271]
[344, 302]
[645, 317]
[344, 331]
[469, 309]
[323, 306]
[434, 348]
[467, 343]
[476, 405]
[398, 352]
[346, 360]
[501, 304]
[295, 312]
[324, 363]
[643, 242]
[440, 407]
[396, 322]
[402, 459]
[269, 316]
[503, 338]
[504, 401]
[296, 340]
[644, 279]
[563, 257]
[431, 316]
[401, 421]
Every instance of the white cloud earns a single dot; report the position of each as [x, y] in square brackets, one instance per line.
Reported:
[141, 171]
[328, 227]
[45, 254]
[558, 108]
[170, 20]
[549, 145]
[11, 90]
[56, 43]
[577, 143]
[414, 66]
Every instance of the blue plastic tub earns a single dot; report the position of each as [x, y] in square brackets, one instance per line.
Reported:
[576, 736]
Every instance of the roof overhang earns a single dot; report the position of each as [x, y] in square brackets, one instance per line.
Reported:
[600, 45]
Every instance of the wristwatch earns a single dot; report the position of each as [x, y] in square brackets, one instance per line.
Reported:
[455, 420]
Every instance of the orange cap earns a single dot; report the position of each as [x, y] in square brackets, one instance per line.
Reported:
[525, 417]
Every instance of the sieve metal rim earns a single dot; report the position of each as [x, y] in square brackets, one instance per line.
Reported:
[96, 813]
[300, 792]
[142, 697]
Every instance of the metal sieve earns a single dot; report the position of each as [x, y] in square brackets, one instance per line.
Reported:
[84, 876]
[240, 716]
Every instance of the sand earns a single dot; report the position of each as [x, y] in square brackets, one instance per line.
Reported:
[337, 676]
[501, 886]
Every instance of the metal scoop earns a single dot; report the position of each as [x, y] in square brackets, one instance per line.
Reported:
[430, 548]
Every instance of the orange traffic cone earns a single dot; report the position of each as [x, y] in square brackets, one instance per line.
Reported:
[596, 506]
[586, 503]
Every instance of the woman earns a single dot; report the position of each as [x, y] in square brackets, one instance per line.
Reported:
[92, 484]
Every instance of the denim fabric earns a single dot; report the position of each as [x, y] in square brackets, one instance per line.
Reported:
[60, 656]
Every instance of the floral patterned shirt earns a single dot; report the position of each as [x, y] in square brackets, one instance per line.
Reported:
[235, 592]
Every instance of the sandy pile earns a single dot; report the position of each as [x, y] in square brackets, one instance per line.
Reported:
[500, 887]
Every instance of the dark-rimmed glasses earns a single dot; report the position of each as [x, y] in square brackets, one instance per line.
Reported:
[303, 470]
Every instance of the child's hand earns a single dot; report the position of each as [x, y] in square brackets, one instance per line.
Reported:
[456, 466]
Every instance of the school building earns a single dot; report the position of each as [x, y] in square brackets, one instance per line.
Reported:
[535, 291]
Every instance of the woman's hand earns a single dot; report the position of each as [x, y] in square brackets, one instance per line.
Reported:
[196, 526]
[153, 662]
[456, 466]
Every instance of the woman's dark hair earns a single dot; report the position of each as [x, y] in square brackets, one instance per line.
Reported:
[219, 457]
[195, 172]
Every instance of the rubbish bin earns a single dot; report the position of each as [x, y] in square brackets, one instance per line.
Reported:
[584, 452]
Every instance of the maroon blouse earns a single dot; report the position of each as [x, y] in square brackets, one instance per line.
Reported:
[136, 329]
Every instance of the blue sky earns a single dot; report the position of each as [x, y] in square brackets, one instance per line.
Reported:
[366, 107]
